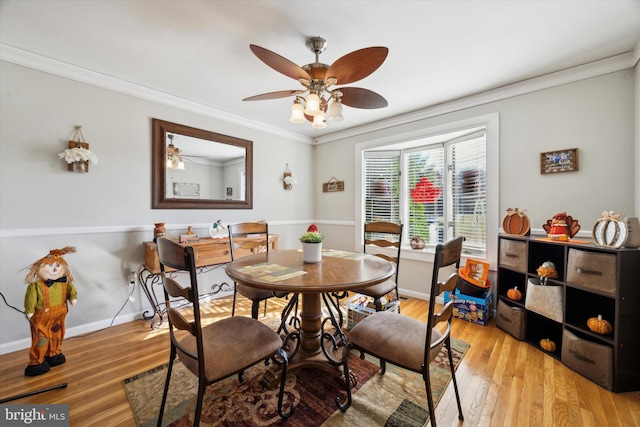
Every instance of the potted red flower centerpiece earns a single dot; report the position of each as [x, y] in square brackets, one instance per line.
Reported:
[312, 245]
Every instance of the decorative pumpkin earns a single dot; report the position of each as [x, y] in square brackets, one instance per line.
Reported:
[610, 230]
[599, 325]
[547, 345]
[514, 294]
[516, 223]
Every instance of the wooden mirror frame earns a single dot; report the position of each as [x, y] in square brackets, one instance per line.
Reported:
[159, 171]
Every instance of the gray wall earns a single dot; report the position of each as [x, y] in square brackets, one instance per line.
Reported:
[596, 115]
[106, 214]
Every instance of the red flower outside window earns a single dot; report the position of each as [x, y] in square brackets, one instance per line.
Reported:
[425, 191]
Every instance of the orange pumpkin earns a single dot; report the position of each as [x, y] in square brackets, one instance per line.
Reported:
[599, 325]
[547, 345]
[514, 294]
[516, 223]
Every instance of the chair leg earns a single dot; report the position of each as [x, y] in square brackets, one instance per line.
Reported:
[283, 381]
[166, 389]
[202, 385]
[453, 378]
[233, 306]
[255, 309]
[427, 385]
[377, 303]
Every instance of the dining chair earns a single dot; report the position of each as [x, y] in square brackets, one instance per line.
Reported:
[217, 350]
[407, 342]
[256, 240]
[383, 234]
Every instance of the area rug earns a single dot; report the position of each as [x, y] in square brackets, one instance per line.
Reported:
[396, 398]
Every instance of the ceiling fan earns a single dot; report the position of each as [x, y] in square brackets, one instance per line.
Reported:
[319, 80]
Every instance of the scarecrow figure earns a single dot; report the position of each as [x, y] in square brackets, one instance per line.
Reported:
[45, 302]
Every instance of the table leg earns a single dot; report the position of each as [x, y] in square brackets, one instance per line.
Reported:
[147, 281]
[312, 346]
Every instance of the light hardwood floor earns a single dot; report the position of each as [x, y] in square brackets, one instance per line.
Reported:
[502, 381]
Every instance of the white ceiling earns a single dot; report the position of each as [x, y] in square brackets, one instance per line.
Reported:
[439, 51]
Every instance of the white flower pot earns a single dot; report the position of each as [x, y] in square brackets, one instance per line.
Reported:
[312, 252]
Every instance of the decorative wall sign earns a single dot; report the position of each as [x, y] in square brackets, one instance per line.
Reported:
[333, 185]
[559, 161]
[186, 189]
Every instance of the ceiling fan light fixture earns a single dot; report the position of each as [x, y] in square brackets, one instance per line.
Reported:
[312, 107]
[297, 112]
[319, 121]
[335, 111]
[318, 81]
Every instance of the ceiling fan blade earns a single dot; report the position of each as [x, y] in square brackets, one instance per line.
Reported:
[279, 63]
[274, 95]
[357, 97]
[357, 65]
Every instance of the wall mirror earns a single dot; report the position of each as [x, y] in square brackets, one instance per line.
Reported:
[197, 169]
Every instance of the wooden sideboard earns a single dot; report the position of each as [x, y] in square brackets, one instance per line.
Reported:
[209, 253]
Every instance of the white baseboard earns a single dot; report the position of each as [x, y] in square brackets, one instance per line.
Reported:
[70, 333]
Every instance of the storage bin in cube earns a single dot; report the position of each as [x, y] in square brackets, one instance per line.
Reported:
[473, 309]
[360, 306]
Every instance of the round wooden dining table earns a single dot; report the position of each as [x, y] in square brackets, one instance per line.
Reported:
[283, 271]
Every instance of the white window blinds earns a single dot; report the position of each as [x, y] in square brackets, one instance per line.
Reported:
[382, 176]
[443, 195]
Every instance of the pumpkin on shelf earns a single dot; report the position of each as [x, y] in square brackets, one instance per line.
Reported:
[547, 345]
[516, 222]
[514, 294]
[610, 230]
[599, 325]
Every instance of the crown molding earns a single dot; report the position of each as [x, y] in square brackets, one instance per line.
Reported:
[62, 69]
[570, 75]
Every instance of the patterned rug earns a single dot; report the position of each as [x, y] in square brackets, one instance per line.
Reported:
[395, 399]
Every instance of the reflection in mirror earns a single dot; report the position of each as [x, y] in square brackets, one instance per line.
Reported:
[198, 169]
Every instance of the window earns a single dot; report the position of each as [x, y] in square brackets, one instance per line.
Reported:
[436, 186]
[382, 185]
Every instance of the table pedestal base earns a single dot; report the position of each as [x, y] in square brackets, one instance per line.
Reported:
[311, 346]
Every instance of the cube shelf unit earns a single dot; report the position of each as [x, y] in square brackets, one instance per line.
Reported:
[594, 280]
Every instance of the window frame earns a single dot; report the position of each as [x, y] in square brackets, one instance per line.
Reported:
[402, 142]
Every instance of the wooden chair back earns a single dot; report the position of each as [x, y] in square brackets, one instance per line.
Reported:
[384, 234]
[180, 258]
[448, 254]
[257, 232]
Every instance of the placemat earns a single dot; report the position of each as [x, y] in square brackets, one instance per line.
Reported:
[271, 272]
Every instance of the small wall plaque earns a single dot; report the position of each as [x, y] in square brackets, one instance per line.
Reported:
[333, 185]
[559, 161]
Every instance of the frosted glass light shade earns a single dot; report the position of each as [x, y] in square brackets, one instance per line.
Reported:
[335, 111]
[313, 105]
[297, 113]
[319, 121]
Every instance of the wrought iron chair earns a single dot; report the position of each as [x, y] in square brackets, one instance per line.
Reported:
[259, 242]
[373, 232]
[410, 343]
[215, 351]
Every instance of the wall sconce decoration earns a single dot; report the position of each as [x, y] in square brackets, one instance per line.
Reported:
[288, 179]
[78, 154]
